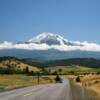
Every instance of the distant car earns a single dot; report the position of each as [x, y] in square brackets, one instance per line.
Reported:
[60, 81]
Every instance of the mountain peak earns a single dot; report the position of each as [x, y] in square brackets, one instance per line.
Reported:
[49, 39]
[47, 34]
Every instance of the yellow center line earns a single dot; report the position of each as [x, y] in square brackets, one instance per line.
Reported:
[28, 94]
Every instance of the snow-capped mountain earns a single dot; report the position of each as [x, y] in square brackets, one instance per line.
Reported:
[51, 39]
[49, 46]
[47, 41]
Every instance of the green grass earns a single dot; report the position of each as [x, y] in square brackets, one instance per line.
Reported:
[76, 70]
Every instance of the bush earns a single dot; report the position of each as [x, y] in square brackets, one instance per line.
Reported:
[78, 79]
[45, 71]
[54, 73]
[10, 70]
[26, 70]
[58, 79]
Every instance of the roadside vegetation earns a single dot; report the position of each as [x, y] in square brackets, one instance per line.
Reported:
[92, 82]
[81, 93]
[9, 82]
[87, 85]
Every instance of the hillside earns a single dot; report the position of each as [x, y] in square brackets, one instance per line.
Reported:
[12, 62]
[88, 62]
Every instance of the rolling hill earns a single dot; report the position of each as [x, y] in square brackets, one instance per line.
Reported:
[12, 62]
[87, 62]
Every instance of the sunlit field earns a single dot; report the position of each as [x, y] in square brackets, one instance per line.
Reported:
[8, 82]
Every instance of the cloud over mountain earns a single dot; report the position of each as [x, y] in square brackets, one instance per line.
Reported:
[46, 41]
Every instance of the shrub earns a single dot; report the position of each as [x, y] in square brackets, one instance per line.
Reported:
[58, 79]
[78, 79]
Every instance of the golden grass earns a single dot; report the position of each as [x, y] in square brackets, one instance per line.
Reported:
[15, 81]
[96, 88]
[90, 77]
[18, 64]
[91, 82]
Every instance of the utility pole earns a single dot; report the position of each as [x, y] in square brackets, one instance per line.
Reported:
[38, 77]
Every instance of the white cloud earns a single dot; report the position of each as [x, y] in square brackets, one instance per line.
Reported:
[32, 46]
[6, 45]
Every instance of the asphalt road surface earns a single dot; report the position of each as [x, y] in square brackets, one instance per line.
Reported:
[59, 91]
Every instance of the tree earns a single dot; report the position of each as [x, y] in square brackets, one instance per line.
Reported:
[60, 71]
[45, 71]
[78, 79]
[58, 79]
[49, 71]
[26, 70]
[54, 73]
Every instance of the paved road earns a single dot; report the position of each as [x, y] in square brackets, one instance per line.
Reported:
[59, 91]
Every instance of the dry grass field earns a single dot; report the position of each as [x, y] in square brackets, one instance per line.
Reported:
[17, 64]
[92, 82]
[8, 82]
[96, 88]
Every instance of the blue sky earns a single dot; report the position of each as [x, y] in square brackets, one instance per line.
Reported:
[76, 20]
